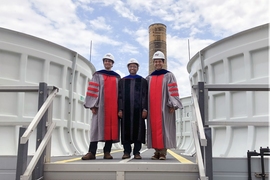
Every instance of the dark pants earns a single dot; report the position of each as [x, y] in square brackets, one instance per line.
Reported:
[93, 147]
[136, 149]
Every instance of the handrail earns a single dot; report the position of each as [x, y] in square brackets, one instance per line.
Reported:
[195, 127]
[199, 153]
[217, 87]
[14, 88]
[235, 87]
[37, 118]
[45, 141]
[34, 160]
[238, 123]
[203, 139]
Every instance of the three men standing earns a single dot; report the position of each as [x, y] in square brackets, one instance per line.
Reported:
[155, 98]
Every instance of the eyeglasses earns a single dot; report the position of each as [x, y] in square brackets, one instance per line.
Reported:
[135, 67]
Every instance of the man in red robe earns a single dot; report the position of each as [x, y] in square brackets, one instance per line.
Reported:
[101, 98]
[132, 106]
[163, 100]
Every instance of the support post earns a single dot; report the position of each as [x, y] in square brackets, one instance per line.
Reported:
[208, 153]
[200, 93]
[41, 130]
[201, 101]
[21, 155]
[249, 154]
[264, 151]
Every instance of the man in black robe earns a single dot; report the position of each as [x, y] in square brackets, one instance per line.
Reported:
[132, 105]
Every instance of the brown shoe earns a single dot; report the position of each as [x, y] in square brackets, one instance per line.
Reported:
[107, 155]
[88, 156]
[162, 157]
[156, 156]
[137, 156]
[126, 156]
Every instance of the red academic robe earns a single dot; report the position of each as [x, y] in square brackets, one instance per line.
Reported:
[102, 93]
[163, 94]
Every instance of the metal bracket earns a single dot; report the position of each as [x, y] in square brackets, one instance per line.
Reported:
[260, 175]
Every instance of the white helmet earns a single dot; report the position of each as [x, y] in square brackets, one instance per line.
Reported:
[108, 56]
[158, 55]
[133, 61]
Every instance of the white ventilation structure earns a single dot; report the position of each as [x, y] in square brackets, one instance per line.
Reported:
[27, 60]
[239, 59]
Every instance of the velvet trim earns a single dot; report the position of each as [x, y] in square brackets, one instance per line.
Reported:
[159, 72]
[111, 73]
[132, 76]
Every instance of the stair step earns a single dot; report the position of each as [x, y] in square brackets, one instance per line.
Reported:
[120, 171]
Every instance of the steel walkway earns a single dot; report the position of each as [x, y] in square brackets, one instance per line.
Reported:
[175, 167]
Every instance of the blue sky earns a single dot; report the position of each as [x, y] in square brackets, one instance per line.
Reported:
[121, 27]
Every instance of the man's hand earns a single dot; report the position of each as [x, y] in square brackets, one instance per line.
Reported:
[94, 110]
[144, 114]
[120, 114]
[171, 110]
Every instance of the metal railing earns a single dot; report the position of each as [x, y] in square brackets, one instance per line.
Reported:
[198, 126]
[230, 87]
[202, 122]
[41, 121]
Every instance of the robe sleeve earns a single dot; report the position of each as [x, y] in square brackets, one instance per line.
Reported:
[173, 100]
[147, 79]
[144, 94]
[120, 95]
[92, 95]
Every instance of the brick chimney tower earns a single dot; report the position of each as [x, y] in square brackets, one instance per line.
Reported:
[157, 42]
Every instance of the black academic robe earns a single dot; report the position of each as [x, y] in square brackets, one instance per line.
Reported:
[132, 99]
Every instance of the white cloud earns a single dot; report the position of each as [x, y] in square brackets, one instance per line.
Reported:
[100, 24]
[61, 12]
[74, 23]
[120, 73]
[119, 6]
[228, 17]
[128, 49]
[223, 18]
[182, 78]
[142, 37]
[125, 12]
[178, 48]
[178, 58]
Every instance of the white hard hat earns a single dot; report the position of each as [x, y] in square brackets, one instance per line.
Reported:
[133, 61]
[108, 56]
[158, 55]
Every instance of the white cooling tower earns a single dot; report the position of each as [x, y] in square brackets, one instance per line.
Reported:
[239, 59]
[28, 60]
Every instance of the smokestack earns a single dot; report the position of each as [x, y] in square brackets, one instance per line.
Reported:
[157, 42]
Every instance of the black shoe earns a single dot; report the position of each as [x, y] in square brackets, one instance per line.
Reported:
[137, 156]
[162, 157]
[107, 155]
[126, 156]
[88, 156]
[156, 156]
